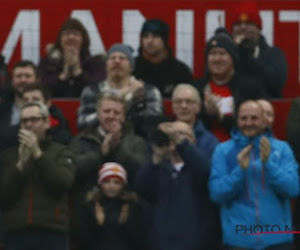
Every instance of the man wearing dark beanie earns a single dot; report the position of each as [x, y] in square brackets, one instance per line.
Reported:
[155, 63]
[223, 87]
[256, 56]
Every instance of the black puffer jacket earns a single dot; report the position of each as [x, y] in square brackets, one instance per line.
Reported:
[122, 228]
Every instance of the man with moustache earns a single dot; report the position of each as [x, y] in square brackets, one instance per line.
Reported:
[144, 100]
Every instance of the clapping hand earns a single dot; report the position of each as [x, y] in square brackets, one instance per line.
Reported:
[244, 157]
[28, 147]
[99, 213]
[72, 65]
[112, 139]
[264, 149]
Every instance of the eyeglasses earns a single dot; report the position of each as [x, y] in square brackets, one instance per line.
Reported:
[186, 101]
[33, 119]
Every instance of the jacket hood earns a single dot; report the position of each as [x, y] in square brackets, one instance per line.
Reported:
[242, 140]
[97, 195]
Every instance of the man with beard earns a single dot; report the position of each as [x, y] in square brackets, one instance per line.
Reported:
[155, 63]
[143, 100]
[24, 73]
[257, 58]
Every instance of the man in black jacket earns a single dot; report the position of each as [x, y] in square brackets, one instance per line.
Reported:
[35, 180]
[155, 63]
[175, 185]
[257, 58]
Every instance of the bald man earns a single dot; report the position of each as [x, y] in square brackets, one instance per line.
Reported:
[269, 112]
[253, 177]
[175, 185]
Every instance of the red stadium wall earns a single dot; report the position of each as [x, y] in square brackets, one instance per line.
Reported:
[27, 26]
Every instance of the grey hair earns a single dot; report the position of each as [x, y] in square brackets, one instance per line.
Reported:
[190, 87]
[43, 108]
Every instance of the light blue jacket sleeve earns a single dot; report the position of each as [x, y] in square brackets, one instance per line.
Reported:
[282, 171]
[225, 181]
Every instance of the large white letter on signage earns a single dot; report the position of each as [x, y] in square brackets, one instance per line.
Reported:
[87, 19]
[132, 24]
[185, 36]
[26, 26]
[213, 20]
[292, 17]
[267, 17]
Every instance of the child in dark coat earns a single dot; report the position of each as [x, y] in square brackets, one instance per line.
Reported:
[112, 218]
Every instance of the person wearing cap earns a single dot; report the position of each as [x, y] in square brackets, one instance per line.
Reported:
[174, 183]
[253, 177]
[111, 215]
[223, 86]
[112, 140]
[143, 99]
[68, 66]
[155, 63]
[257, 57]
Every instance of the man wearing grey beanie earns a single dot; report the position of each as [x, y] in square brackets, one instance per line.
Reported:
[143, 99]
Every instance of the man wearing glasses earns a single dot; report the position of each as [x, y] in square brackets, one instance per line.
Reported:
[35, 180]
[186, 105]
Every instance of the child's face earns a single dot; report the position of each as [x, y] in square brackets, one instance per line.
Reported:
[112, 187]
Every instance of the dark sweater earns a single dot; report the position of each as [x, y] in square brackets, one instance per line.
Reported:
[93, 71]
[165, 75]
[181, 214]
[115, 233]
[270, 67]
[37, 196]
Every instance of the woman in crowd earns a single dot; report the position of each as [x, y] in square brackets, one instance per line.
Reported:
[68, 66]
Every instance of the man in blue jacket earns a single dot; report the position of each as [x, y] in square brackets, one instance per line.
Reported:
[253, 177]
[186, 104]
[181, 216]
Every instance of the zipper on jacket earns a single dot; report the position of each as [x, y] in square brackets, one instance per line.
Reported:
[30, 205]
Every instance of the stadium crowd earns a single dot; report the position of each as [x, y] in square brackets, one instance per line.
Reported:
[212, 176]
